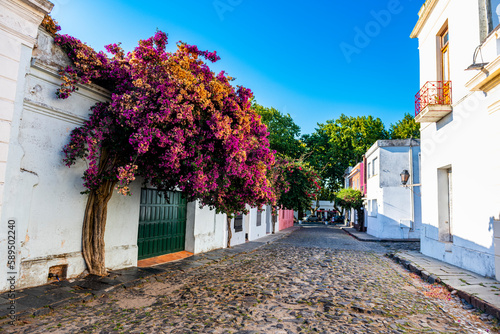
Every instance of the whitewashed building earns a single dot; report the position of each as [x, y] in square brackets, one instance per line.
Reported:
[459, 112]
[393, 211]
[323, 208]
[41, 208]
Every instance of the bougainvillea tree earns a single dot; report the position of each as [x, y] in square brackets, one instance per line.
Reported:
[171, 121]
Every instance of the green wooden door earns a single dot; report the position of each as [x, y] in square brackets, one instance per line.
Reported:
[162, 223]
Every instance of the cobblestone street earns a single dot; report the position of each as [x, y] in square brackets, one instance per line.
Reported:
[317, 279]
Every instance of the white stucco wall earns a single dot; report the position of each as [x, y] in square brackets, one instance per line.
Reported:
[475, 166]
[496, 232]
[269, 220]
[373, 192]
[19, 22]
[467, 141]
[326, 205]
[205, 229]
[394, 202]
[43, 195]
[255, 231]
[463, 39]
[238, 237]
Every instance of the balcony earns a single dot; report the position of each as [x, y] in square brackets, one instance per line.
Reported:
[433, 101]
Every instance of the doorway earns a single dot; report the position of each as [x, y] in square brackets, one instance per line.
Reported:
[162, 223]
[445, 204]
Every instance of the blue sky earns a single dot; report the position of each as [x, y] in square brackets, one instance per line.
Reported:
[314, 60]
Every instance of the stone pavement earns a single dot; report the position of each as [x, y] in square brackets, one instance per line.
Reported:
[317, 279]
[479, 291]
[43, 299]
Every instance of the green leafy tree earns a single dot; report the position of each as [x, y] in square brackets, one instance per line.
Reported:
[284, 134]
[295, 184]
[319, 149]
[304, 186]
[348, 199]
[341, 143]
[405, 128]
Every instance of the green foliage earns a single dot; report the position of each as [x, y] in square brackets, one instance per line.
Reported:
[294, 182]
[353, 136]
[341, 143]
[283, 132]
[304, 185]
[405, 128]
[349, 198]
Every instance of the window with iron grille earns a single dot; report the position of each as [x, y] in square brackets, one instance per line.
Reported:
[238, 223]
[259, 218]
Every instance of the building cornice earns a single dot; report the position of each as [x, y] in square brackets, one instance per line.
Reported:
[423, 14]
[354, 172]
[23, 37]
[52, 112]
[21, 18]
[55, 79]
[372, 149]
[490, 82]
[43, 6]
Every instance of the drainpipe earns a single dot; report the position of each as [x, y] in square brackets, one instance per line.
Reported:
[412, 195]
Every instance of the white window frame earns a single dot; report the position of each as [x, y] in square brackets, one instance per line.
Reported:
[372, 208]
[375, 166]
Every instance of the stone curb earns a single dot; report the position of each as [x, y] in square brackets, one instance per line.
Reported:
[89, 294]
[279, 235]
[431, 278]
[376, 239]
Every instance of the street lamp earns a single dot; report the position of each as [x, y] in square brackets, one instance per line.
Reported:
[477, 66]
[404, 177]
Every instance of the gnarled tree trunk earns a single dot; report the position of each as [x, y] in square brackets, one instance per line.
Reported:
[94, 225]
[229, 233]
[94, 221]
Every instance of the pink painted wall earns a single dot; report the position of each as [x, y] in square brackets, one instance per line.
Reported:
[285, 219]
[357, 177]
[363, 177]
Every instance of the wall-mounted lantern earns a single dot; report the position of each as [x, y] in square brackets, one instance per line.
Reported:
[404, 177]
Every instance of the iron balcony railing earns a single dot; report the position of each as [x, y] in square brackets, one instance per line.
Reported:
[433, 92]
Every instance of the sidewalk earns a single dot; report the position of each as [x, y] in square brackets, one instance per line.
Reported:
[481, 292]
[363, 236]
[42, 299]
